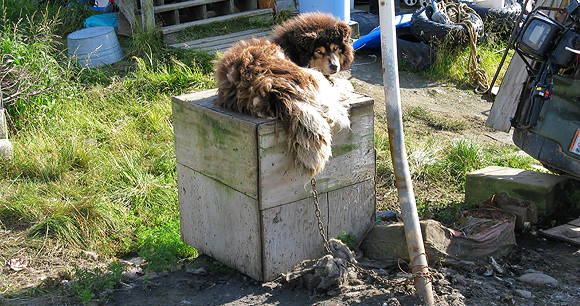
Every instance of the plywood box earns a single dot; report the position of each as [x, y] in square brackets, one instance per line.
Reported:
[241, 200]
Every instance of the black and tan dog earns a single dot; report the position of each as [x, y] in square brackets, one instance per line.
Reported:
[287, 77]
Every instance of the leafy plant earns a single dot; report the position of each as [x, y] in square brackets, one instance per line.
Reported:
[348, 239]
[161, 246]
[96, 283]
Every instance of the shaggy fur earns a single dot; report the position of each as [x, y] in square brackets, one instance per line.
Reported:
[256, 77]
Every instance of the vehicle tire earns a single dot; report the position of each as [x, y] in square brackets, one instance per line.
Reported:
[435, 33]
[499, 19]
[410, 3]
[412, 53]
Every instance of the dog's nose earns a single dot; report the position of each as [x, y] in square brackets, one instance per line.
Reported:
[333, 67]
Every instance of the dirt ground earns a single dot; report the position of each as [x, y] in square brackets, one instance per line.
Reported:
[206, 282]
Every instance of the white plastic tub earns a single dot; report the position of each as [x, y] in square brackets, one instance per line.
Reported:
[95, 46]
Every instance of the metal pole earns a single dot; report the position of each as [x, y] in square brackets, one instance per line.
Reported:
[417, 255]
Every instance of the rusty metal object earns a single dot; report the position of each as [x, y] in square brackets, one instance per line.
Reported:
[418, 258]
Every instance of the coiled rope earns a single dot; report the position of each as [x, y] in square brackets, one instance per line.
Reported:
[459, 14]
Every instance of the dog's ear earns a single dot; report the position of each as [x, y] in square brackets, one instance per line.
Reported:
[344, 31]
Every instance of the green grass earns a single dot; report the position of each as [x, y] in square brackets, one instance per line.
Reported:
[96, 283]
[452, 62]
[94, 159]
[224, 27]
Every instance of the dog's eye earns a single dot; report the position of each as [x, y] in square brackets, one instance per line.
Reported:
[319, 52]
[334, 49]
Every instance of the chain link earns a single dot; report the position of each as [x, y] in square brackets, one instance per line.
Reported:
[369, 273]
[318, 215]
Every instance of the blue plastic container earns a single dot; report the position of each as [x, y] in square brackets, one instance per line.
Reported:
[94, 47]
[340, 9]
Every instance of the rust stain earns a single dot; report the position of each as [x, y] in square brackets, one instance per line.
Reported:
[383, 3]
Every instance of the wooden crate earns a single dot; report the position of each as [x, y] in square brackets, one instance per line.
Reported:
[241, 200]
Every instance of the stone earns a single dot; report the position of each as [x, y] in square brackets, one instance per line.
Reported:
[539, 280]
[523, 294]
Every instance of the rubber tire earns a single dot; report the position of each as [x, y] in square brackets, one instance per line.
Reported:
[499, 19]
[435, 33]
[414, 54]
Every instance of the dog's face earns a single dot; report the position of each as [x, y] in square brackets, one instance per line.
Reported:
[318, 41]
[331, 50]
[327, 59]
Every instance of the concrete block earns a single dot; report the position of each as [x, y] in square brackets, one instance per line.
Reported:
[542, 188]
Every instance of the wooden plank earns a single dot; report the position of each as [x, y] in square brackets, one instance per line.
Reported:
[566, 232]
[127, 17]
[352, 210]
[291, 235]
[506, 103]
[182, 5]
[264, 13]
[217, 144]
[219, 222]
[209, 42]
[147, 15]
[575, 222]
[353, 158]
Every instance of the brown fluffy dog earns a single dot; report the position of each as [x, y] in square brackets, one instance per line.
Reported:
[257, 77]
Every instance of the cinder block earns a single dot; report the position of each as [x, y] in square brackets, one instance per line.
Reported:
[542, 188]
[242, 201]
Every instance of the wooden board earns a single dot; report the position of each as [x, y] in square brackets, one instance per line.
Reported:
[264, 13]
[181, 5]
[353, 158]
[217, 143]
[221, 43]
[506, 102]
[559, 232]
[219, 222]
[352, 210]
[291, 235]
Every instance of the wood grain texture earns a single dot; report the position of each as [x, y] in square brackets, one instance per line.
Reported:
[352, 209]
[220, 222]
[508, 97]
[291, 235]
[353, 158]
[219, 144]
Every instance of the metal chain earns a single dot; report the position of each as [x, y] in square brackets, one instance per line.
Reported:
[359, 269]
[318, 215]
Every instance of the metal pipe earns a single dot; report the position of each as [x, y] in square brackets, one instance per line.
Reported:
[417, 255]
